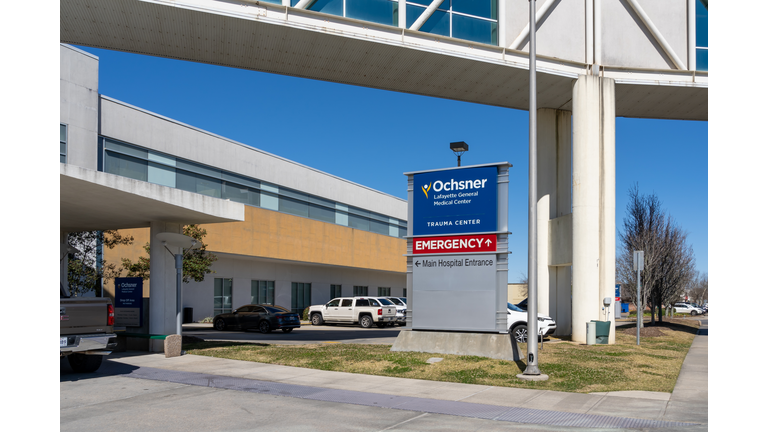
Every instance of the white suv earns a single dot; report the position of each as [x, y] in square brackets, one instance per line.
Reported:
[517, 320]
[688, 309]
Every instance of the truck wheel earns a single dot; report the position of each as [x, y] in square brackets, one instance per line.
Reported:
[366, 321]
[220, 325]
[317, 319]
[264, 327]
[84, 363]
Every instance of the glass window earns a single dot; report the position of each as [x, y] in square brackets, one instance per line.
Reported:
[62, 143]
[378, 11]
[333, 7]
[322, 213]
[481, 8]
[301, 296]
[126, 149]
[379, 227]
[362, 302]
[475, 29]
[198, 183]
[359, 291]
[335, 291]
[334, 303]
[222, 295]
[263, 292]
[384, 291]
[358, 222]
[405, 292]
[126, 166]
[161, 174]
[374, 302]
[346, 303]
[702, 36]
[235, 192]
[292, 206]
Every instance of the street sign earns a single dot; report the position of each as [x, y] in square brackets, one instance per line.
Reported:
[638, 260]
[455, 201]
[455, 244]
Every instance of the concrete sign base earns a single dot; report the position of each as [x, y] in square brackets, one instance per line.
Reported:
[489, 345]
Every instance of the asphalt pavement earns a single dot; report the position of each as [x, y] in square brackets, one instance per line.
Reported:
[136, 391]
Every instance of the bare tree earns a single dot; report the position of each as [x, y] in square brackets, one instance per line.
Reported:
[86, 268]
[669, 261]
[698, 290]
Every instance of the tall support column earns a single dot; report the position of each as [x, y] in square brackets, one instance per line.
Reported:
[608, 199]
[594, 203]
[162, 284]
[554, 201]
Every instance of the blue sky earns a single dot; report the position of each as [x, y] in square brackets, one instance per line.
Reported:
[373, 136]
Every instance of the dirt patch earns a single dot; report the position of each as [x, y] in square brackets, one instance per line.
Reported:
[645, 331]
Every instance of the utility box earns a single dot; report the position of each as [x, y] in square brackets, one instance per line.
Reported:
[602, 331]
[591, 327]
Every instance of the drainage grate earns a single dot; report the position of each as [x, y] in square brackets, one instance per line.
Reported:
[432, 406]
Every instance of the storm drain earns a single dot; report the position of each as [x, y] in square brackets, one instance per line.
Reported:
[432, 406]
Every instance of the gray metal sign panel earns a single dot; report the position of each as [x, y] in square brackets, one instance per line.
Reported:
[455, 292]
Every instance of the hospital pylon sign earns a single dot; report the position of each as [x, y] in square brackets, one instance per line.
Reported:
[457, 248]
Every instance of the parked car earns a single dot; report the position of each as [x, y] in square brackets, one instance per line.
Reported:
[366, 311]
[523, 304]
[265, 318]
[401, 313]
[687, 308]
[517, 322]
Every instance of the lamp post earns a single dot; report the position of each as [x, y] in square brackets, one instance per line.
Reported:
[459, 148]
[181, 241]
[532, 372]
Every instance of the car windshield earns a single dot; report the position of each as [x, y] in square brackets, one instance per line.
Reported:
[514, 308]
[276, 309]
[397, 301]
[386, 302]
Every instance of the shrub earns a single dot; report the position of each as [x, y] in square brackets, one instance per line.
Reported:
[305, 314]
[207, 320]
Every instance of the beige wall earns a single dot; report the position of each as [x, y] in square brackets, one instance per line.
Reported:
[270, 234]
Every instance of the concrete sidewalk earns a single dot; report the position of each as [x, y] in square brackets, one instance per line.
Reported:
[687, 404]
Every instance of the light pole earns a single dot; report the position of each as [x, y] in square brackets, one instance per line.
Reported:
[532, 369]
[459, 148]
[181, 241]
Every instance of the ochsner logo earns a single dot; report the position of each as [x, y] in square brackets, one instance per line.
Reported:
[453, 185]
[426, 189]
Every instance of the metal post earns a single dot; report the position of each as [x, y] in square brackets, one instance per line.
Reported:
[533, 317]
[639, 302]
[179, 267]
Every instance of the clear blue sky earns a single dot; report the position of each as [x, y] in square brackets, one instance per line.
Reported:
[372, 137]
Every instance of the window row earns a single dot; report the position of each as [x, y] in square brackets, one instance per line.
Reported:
[146, 165]
[475, 20]
[62, 143]
[702, 35]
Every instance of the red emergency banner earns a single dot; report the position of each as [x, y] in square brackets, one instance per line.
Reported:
[455, 244]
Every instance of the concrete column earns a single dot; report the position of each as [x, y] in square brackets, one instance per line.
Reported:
[608, 199]
[162, 284]
[594, 199]
[554, 200]
[63, 259]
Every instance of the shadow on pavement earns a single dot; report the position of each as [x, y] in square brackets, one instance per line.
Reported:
[108, 368]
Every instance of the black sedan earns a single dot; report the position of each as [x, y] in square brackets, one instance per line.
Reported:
[263, 317]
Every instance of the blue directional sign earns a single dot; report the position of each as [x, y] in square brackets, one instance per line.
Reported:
[455, 201]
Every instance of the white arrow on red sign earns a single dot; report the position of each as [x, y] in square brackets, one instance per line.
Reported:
[455, 244]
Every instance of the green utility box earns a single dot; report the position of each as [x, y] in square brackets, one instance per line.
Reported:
[602, 331]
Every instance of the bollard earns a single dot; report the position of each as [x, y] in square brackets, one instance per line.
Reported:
[591, 328]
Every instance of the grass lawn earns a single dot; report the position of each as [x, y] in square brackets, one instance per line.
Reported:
[652, 366]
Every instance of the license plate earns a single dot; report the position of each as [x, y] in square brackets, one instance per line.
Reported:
[62, 342]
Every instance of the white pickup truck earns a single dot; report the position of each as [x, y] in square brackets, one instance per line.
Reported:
[364, 310]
